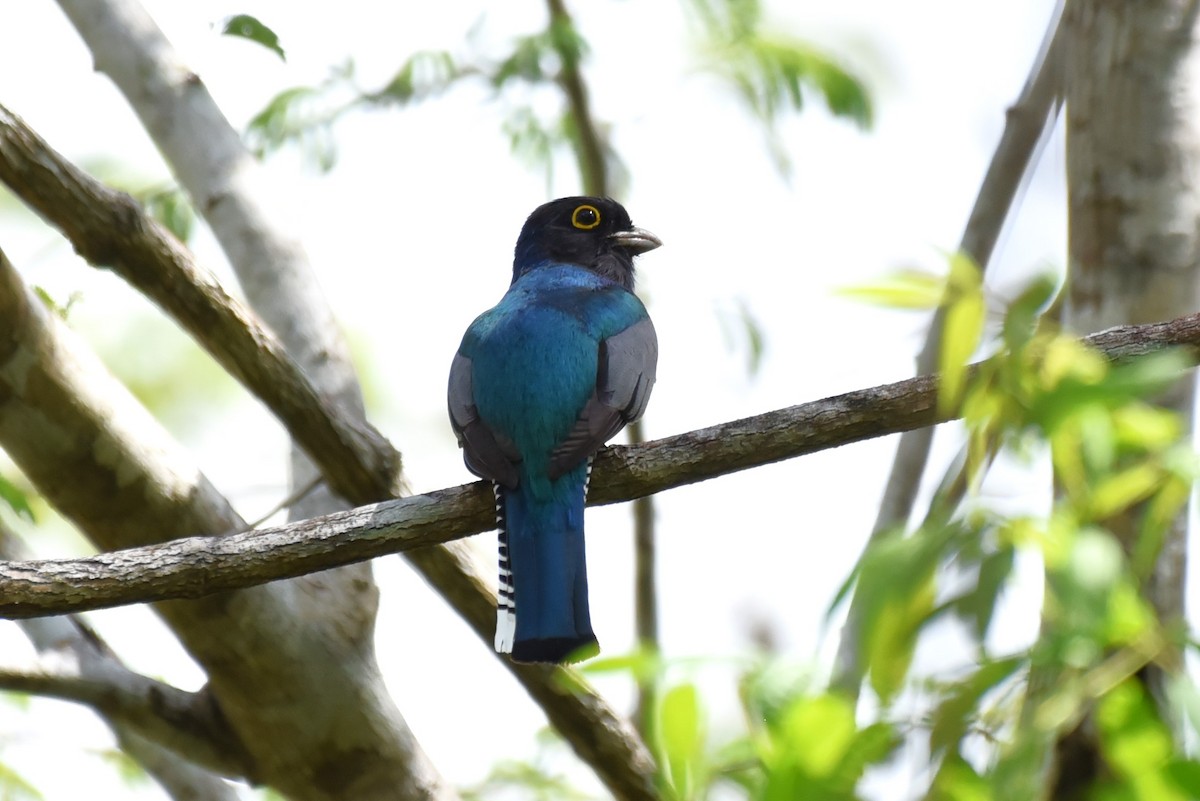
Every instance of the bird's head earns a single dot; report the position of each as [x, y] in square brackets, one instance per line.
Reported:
[592, 232]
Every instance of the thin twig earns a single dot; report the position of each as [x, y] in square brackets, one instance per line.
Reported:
[289, 501]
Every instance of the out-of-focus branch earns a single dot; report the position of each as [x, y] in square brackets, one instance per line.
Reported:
[169, 716]
[195, 566]
[589, 144]
[1028, 120]
[169, 732]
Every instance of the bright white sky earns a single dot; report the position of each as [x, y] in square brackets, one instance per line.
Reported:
[412, 234]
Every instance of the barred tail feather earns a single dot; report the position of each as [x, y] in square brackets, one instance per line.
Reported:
[506, 605]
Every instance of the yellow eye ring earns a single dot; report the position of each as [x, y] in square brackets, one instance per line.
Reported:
[585, 217]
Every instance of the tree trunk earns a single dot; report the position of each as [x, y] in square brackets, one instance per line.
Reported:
[1133, 154]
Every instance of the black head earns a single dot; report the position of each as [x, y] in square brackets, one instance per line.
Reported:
[592, 232]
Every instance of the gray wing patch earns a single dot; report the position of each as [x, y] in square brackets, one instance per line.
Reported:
[625, 375]
[485, 453]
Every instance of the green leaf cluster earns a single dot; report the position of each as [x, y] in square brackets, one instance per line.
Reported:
[1124, 469]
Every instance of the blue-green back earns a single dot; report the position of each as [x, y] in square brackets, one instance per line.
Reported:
[535, 356]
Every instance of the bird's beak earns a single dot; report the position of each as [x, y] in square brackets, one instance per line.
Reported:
[635, 240]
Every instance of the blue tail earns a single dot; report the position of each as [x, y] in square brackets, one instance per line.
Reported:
[544, 582]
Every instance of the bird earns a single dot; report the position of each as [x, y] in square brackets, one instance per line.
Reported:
[540, 382]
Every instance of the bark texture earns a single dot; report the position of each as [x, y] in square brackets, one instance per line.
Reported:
[1133, 172]
[1133, 155]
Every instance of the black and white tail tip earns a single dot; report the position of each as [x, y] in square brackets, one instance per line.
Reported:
[506, 606]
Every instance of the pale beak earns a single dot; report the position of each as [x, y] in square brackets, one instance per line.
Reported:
[635, 240]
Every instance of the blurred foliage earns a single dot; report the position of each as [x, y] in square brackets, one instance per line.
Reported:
[16, 497]
[165, 370]
[131, 773]
[771, 71]
[170, 206]
[15, 788]
[983, 726]
[743, 331]
[536, 780]
[161, 198]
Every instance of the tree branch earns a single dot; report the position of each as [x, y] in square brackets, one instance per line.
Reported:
[171, 733]
[109, 229]
[196, 566]
[171, 717]
[106, 465]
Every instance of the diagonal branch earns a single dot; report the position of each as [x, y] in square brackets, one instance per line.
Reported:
[109, 229]
[109, 467]
[197, 566]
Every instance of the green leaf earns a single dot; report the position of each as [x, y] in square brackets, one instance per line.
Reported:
[531, 140]
[16, 499]
[895, 591]
[16, 700]
[424, 74]
[1022, 316]
[1144, 426]
[15, 787]
[682, 735]
[171, 208]
[902, 289]
[1134, 739]
[769, 689]
[248, 27]
[978, 605]
[956, 780]
[296, 116]
[953, 716]
[1185, 775]
[816, 752]
[129, 769]
[1118, 491]
[771, 72]
[643, 664]
[963, 328]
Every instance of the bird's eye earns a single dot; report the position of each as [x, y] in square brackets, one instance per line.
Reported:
[585, 217]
